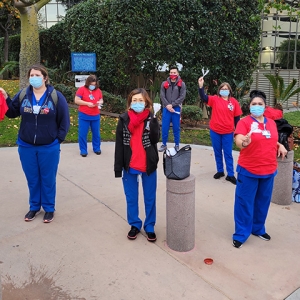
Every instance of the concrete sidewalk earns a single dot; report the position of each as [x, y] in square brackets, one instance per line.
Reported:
[85, 254]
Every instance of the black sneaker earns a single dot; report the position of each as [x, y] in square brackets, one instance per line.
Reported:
[48, 217]
[151, 236]
[237, 244]
[176, 148]
[162, 148]
[231, 179]
[31, 215]
[264, 236]
[83, 155]
[218, 175]
[98, 152]
[133, 232]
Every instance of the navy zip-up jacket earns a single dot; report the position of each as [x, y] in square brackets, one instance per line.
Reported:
[52, 122]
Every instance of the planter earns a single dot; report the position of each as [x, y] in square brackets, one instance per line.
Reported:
[282, 190]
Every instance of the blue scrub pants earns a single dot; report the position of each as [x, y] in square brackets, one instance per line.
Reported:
[252, 201]
[40, 164]
[131, 189]
[83, 129]
[167, 118]
[222, 143]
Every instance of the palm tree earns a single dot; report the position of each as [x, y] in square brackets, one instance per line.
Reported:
[282, 93]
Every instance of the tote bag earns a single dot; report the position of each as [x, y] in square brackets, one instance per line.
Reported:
[177, 166]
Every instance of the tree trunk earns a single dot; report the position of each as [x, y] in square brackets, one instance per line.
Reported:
[30, 43]
[6, 39]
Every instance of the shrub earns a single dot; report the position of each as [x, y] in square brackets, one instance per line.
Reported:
[67, 91]
[113, 103]
[191, 114]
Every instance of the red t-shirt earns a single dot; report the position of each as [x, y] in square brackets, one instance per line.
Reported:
[260, 157]
[223, 113]
[90, 96]
[138, 156]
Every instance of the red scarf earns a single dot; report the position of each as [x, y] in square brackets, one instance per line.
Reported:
[136, 118]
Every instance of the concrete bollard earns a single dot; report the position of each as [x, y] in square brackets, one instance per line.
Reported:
[282, 191]
[181, 214]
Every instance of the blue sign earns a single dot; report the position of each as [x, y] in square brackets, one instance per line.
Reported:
[82, 62]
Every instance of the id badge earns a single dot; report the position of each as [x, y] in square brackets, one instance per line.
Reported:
[266, 133]
[36, 109]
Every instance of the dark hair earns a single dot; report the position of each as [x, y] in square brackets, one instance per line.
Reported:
[43, 71]
[229, 88]
[148, 101]
[90, 79]
[173, 68]
[257, 93]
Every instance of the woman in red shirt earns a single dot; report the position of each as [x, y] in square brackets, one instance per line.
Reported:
[257, 137]
[226, 113]
[89, 98]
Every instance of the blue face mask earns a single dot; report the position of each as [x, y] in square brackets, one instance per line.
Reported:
[138, 107]
[257, 110]
[36, 81]
[92, 87]
[224, 93]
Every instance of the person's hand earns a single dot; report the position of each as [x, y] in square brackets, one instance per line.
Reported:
[170, 108]
[3, 93]
[156, 108]
[201, 82]
[281, 151]
[246, 141]
[90, 104]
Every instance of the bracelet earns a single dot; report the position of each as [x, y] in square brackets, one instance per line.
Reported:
[244, 145]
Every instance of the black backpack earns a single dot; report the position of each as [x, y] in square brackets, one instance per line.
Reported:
[284, 131]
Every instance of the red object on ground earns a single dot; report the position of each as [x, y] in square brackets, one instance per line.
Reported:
[208, 261]
[3, 107]
[273, 113]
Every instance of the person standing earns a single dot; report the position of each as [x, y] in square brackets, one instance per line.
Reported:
[89, 98]
[257, 137]
[226, 112]
[136, 154]
[45, 122]
[172, 95]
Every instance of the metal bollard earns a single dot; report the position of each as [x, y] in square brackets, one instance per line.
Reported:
[181, 214]
[282, 190]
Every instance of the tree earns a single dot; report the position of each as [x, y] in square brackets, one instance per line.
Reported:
[70, 3]
[30, 44]
[9, 17]
[282, 93]
[132, 37]
[286, 53]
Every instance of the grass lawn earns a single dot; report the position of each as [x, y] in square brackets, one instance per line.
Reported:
[9, 127]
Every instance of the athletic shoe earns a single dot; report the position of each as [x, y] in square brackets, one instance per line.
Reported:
[162, 148]
[218, 175]
[83, 155]
[133, 232]
[151, 236]
[231, 179]
[31, 215]
[48, 217]
[264, 236]
[98, 152]
[237, 244]
[176, 148]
